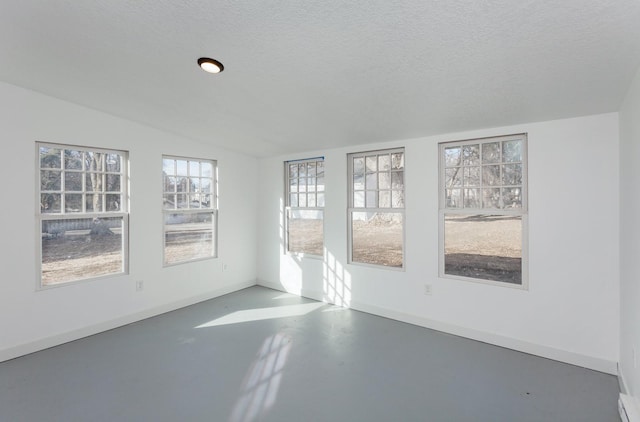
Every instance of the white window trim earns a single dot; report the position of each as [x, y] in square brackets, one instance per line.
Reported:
[351, 209]
[40, 217]
[214, 209]
[523, 212]
[288, 209]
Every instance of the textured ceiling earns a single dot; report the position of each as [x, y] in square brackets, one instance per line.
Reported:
[308, 75]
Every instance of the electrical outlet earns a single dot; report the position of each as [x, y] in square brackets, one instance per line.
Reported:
[139, 286]
[225, 267]
[428, 290]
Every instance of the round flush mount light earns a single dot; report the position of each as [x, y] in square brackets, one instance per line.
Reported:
[210, 65]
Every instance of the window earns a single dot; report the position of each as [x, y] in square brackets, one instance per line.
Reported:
[376, 207]
[305, 206]
[83, 216]
[483, 209]
[190, 209]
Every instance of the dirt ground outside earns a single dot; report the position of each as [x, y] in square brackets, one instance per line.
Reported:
[485, 247]
[77, 255]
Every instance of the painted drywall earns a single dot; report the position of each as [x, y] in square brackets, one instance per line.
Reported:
[630, 240]
[570, 311]
[31, 319]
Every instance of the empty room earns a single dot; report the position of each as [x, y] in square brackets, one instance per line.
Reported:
[320, 211]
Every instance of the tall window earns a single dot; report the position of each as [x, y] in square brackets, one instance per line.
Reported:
[483, 209]
[190, 209]
[83, 215]
[376, 207]
[305, 206]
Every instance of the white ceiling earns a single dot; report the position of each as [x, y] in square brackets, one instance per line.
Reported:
[304, 75]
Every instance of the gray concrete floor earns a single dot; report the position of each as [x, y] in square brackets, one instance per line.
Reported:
[261, 355]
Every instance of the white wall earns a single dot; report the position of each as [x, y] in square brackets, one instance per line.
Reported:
[571, 310]
[630, 239]
[31, 319]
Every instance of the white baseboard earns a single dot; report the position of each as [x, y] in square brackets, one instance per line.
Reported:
[56, 340]
[597, 364]
[629, 408]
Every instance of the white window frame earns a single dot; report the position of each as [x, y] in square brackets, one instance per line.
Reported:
[289, 208]
[352, 208]
[189, 209]
[520, 212]
[63, 215]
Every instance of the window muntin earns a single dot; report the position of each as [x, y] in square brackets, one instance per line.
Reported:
[376, 207]
[483, 209]
[305, 190]
[83, 215]
[190, 209]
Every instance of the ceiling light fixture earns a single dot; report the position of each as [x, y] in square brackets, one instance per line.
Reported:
[210, 65]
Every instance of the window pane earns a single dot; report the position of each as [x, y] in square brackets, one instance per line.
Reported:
[181, 168]
[302, 200]
[302, 170]
[512, 197]
[472, 176]
[93, 182]
[320, 168]
[50, 203]
[471, 155]
[452, 156]
[453, 177]
[358, 182]
[472, 198]
[114, 163]
[372, 181]
[73, 202]
[207, 169]
[194, 184]
[194, 201]
[168, 166]
[194, 169]
[169, 201]
[397, 198]
[320, 200]
[113, 203]
[93, 203]
[311, 199]
[372, 199]
[311, 169]
[305, 231]
[113, 183]
[397, 180]
[50, 180]
[512, 174]
[491, 198]
[491, 175]
[293, 199]
[487, 247]
[81, 248]
[358, 165]
[377, 238]
[512, 151]
[293, 185]
[358, 199]
[454, 198]
[397, 161]
[384, 181]
[182, 184]
[320, 185]
[94, 161]
[491, 153]
[182, 201]
[384, 162]
[372, 163]
[205, 185]
[293, 170]
[72, 160]
[188, 236]
[73, 182]
[50, 158]
[385, 199]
